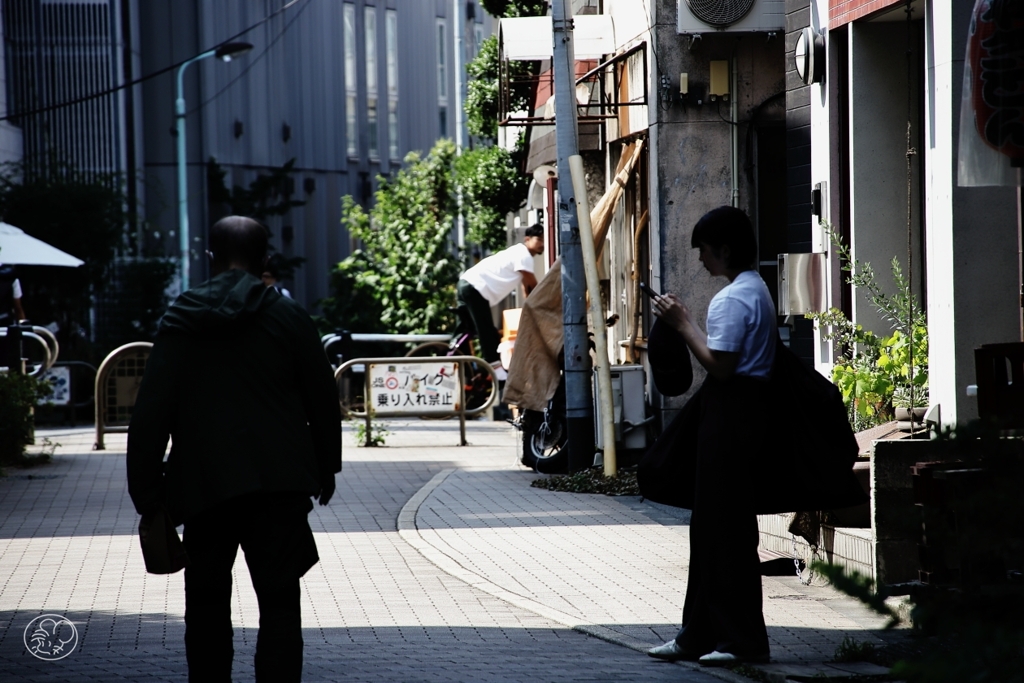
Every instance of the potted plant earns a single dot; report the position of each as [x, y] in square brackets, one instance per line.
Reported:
[881, 378]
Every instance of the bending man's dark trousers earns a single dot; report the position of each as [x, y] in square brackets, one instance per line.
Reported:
[722, 610]
[480, 311]
[274, 534]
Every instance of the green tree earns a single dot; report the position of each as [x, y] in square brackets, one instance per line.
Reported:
[403, 278]
[492, 186]
[483, 89]
[81, 214]
[515, 8]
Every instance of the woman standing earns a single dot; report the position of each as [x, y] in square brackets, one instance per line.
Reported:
[722, 619]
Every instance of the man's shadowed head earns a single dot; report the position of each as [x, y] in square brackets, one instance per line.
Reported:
[238, 242]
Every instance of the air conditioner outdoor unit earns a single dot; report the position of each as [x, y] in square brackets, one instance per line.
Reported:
[712, 16]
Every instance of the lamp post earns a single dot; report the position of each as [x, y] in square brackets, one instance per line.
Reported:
[227, 51]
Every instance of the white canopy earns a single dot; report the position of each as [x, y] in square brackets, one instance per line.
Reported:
[529, 38]
[17, 248]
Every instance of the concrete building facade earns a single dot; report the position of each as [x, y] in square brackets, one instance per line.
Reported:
[888, 69]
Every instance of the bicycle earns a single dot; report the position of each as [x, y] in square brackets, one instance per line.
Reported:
[480, 380]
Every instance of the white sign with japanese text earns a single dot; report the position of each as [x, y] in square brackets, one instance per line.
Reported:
[400, 387]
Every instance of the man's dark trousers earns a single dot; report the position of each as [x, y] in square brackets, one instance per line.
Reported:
[273, 531]
[480, 311]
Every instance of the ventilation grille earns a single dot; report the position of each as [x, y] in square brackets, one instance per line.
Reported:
[720, 12]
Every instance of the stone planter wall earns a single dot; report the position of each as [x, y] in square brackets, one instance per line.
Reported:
[886, 548]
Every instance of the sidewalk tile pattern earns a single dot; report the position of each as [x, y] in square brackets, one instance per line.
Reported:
[374, 609]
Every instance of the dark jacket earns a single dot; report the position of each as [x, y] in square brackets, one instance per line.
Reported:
[238, 380]
[806, 454]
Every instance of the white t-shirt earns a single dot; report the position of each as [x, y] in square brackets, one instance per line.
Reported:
[497, 275]
[741, 319]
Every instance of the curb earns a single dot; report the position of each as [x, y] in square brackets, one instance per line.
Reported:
[409, 532]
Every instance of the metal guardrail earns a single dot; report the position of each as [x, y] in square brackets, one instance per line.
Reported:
[397, 387]
[331, 339]
[117, 386]
[45, 338]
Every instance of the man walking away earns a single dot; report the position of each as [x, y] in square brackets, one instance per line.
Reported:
[494, 278]
[238, 380]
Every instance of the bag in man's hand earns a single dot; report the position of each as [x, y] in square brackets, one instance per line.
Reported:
[162, 548]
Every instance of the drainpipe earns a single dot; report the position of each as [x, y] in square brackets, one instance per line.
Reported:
[734, 137]
[460, 124]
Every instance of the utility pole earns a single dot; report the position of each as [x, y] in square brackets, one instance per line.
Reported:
[579, 409]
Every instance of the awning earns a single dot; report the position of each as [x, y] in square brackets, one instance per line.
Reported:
[17, 248]
[530, 38]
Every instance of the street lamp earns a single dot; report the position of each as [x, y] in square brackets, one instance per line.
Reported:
[227, 52]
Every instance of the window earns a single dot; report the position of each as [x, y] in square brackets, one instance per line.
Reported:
[351, 131]
[391, 49]
[442, 66]
[370, 28]
[442, 78]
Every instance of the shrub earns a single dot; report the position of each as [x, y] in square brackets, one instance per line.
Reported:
[18, 396]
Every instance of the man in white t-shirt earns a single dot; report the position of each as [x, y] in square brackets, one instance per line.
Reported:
[10, 297]
[494, 278]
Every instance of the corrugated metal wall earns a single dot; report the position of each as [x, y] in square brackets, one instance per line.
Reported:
[286, 99]
[57, 52]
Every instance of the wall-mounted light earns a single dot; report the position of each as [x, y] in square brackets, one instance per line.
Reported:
[286, 132]
[809, 55]
[239, 128]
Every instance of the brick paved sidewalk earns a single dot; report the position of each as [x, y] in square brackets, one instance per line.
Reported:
[438, 563]
[612, 567]
[374, 608]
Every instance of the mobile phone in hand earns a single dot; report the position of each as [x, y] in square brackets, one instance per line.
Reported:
[647, 290]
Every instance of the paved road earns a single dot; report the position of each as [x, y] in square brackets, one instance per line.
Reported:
[374, 609]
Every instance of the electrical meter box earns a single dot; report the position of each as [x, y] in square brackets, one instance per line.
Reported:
[629, 407]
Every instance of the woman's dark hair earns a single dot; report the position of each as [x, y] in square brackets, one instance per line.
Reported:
[730, 227]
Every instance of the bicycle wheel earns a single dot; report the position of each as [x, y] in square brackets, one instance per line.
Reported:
[546, 436]
[478, 377]
[430, 349]
[479, 384]
[355, 403]
[435, 348]
[544, 443]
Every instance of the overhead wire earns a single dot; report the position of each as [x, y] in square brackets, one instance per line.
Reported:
[252, 62]
[141, 79]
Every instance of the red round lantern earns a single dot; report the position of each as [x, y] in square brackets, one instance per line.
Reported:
[996, 54]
